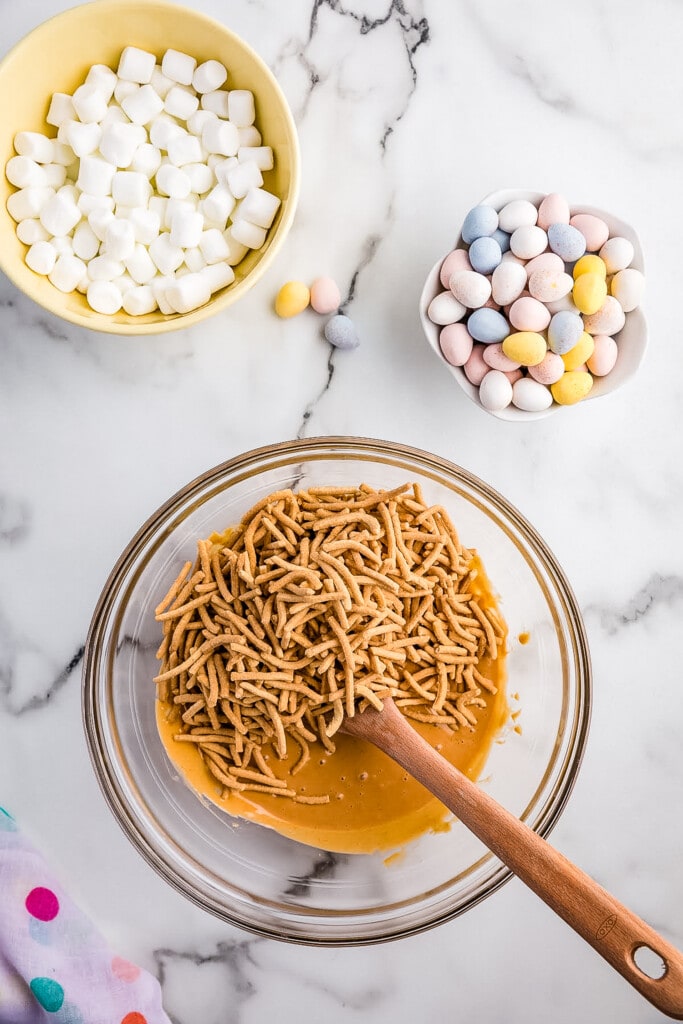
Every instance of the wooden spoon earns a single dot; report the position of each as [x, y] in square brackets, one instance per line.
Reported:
[610, 928]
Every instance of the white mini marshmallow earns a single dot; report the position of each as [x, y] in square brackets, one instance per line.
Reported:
[218, 206]
[124, 283]
[99, 221]
[201, 177]
[180, 102]
[140, 300]
[196, 121]
[120, 142]
[220, 137]
[89, 103]
[218, 275]
[262, 156]
[160, 83]
[140, 265]
[213, 246]
[143, 106]
[178, 66]
[216, 102]
[146, 159]
[61, 109]
[55, 175]
[209, 76]
[162, 130]
[60, 215]
[86, 204]
[166, 256]
[86, 244]
[174, 205]
[184, 149]
[259, 207]
[242, 177]
[236, 250]
[69, 190]
[194, 261]
[67, 272]
[131, 188]
[30, 231]
[248, 234]
[186, 229]
[250, 136]
[103, 78]
[83, 138]
[146, 224]
[104, 297]
[171, 181]
[36, 146]
[41, 258]
[159, 286]
[188, 292]
[136, 65]
[241, 109]
[62, 245]
[119, 240]
[157, 205]
[24, 172]
[124, 89]
[114, 115]
[28, 202]
[95, 176]
[221, 168]
[63, 154]
[104, 268]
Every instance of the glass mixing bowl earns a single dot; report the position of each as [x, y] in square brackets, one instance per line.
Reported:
[251, 876]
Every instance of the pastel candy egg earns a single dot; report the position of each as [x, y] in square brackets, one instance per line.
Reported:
[480, 221]
[589, 264]
[503, 239]
[525, 347]
[485, 255]
[546, 261]
[564, 304]
[494, 357]
[593, 229]
[445, 309]
[292, 299]
[548, 370]
[529, 314]
[577, 356]
[325, 295]
[475, 368]
[604, 355]
[566, 241]
[548, 285]
[627, 288]
[589, 293]
[513, 375]
[456, 260]
[470, 288]
[456, 344]
[571, 387]
[530, 395]
[488, 326]
[341, 332]
[528, 241]
[495, 391]
[617, 254]
[564, 331]
[507, 282]
[554, 209]
[519, 213]
[609, 319]
[509, 257]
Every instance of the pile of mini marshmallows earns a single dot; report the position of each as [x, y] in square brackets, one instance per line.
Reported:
[151, 192]
[534, 305]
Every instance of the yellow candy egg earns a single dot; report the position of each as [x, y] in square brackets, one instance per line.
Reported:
[571, 387]
[589, 293]
[525, 347]
[292, 298]
[590, 264]
[580, 354]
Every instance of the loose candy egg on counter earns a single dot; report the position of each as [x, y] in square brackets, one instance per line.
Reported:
[456, 260]
[528, 241]
[325, 295]
[456, 344]
[485, 254]
[577, 356]
[549, 370]
[341, 332]
[589, 293]
[480, 221]
[627, 288]
[530, 395]
[617, 254]
[470, 288]
[445, 309]
[572, 387]
[495, 391]
[609, 319]
[604, 355]
[564, 331]
[519, 213]
[528, 314]
[292, 298]
[593, 229]
[566, 241]
[507, 282]
[488, 326]
[525, 347]
[554, 209]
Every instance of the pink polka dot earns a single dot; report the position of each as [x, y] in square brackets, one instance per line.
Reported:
[124, 970]
[134, 1018]
[42, 904]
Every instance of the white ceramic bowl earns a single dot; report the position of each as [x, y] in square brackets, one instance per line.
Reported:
[632, 339]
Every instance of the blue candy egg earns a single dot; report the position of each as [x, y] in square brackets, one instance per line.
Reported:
[480, 221]
[564, 330]
[340, 331]
[488, 325]
[503, 239]
[485, 254]
[568, 243]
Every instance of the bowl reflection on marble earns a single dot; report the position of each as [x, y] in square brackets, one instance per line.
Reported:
[250, 875]
[56, 57]
[632, 339]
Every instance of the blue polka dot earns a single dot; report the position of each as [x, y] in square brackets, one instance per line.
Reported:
[40, 931]
[7, 822]
[49, 993]
[70, 1014]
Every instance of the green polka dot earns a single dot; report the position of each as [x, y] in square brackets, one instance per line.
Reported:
[7, 822]
[49, 993]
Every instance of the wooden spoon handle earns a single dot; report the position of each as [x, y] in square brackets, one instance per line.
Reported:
[610, 928]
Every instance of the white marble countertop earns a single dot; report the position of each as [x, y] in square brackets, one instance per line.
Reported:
[408, 111]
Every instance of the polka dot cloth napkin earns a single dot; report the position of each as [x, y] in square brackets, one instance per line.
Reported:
[54, 965]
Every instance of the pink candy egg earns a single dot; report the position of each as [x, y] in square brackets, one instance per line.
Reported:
[609, 319]
[475, 368]
[529, 314]
[593, 229]
[456, 344]
[549, 370]
[546, 261]
[604, 355]
[514, 375]
[549, 286]
[456, 260]
[554, 209]
[325, 295]
[497, 360]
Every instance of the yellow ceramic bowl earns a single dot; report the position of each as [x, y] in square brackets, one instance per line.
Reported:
[56, 57]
